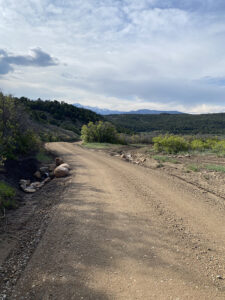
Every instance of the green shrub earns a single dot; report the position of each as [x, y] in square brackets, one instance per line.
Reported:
[170, 144]
[101, 132]
[15, 135]
[219, 147]
[7, 196]
[198, 145]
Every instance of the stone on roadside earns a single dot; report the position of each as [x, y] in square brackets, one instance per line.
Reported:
[44, 170]
[24, 182]
[58, 161]
[29, 190]
[37, 174]
[61, 172]
[36, 185]
[65, 166]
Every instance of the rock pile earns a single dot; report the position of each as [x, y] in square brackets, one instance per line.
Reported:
[132, 158]
[44, 175]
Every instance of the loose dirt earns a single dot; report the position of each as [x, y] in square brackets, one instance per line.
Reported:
[122, 231]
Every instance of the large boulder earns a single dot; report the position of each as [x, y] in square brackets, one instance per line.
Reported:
[61, 171]
[65, 166]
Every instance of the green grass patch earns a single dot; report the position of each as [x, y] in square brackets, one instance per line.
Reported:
[7, 196]
[161, 159]
[193, 167]
[100, 145]
[44, 157]
[216, 168]
[139, 145]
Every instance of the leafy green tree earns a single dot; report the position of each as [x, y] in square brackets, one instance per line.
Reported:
[101, 132]
[16, 137]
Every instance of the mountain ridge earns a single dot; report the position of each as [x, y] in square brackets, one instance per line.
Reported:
[105, 111]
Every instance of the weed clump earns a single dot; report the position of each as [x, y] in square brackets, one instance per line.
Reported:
[7, 196]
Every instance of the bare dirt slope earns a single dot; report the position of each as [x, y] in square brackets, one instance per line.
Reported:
[126, 232]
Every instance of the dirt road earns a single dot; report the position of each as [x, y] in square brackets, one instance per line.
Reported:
[123, 231]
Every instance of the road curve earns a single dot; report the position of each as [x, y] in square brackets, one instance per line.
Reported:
[122, 231]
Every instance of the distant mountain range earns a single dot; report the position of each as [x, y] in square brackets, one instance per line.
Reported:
[105, 111]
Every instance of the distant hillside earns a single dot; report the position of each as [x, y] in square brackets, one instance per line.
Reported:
[105, 111]
[65, 120]
[181, 123]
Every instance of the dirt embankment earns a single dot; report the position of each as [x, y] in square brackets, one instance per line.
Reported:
[198, 169]
[122, 231]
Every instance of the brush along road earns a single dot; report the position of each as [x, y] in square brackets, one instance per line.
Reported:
[122, 231]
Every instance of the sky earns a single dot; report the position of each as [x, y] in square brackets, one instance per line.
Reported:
[116, 54]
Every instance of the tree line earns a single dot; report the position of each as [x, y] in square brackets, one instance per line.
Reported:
[165, 123]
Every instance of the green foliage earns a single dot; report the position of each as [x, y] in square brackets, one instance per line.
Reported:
[15, 136]
[216, 168]
[176, 144]
[170, 144]
[100, 132]
[193, 167]
[219, 147]
[198, 145]
[44, 157]
[60, 114]
[173, 124]
[7, 196]
[101, 145]
[136, 139]
[204, 144]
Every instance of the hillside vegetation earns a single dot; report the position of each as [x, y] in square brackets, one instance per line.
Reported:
[176, 124]
[24, 126]
[60, 114]
[25, 123]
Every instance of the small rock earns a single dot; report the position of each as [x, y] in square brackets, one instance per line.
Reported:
[123, 155]
[36, 185]
[24, 182]
[58, 161]
[37, 174]
[129, 156]
[29, 190]
[44, 170]
[219, 277]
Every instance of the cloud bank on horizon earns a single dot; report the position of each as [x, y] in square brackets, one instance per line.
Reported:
[117, 54]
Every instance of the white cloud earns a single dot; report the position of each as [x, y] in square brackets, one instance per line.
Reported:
[115, 52]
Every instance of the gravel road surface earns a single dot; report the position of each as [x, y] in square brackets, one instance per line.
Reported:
[123, 231]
